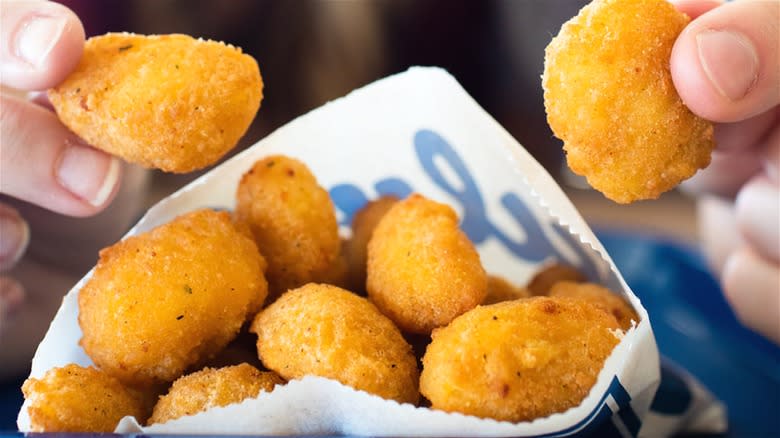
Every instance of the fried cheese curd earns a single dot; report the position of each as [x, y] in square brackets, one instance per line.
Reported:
[293, 222]
[211, 387]
[609, 96]
[356, 248]
[170, 102]
[326, 331]
[169, 298]
[500, 289]
[518, 360]
[422, 269]
[78, 399]
[600, 296]
[545, 278]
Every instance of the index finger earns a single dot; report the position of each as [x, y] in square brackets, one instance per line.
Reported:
[40, 44]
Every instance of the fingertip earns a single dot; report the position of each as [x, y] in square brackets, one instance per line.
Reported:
[694, 8]
[47, 165]
[42, 43]
[91, 175]
[66, 53]
[690, 80]
[757, 209]
[751, 285]
[718, 235]
[724, 64]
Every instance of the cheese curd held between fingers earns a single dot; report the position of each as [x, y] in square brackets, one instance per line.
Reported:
[423, 271]
[326, 331]
[609, 96]
[160, 302]
[170, 102]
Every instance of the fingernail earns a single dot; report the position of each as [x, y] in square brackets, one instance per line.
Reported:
[37, 37]
[730, 62]
[11, 296]
[88, 173]
[14, 237]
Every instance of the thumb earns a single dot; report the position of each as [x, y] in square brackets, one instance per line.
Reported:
[40, 44]
[725, 64]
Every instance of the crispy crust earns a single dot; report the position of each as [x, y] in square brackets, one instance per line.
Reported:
[326, 331]
[293, 222]
[422, 269]
[165, 101]
[78, 399]
[609, 96]
[518, 360]
[211, 387]
[600, 296]
[164, 300]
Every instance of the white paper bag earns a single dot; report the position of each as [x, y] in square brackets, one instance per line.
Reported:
[416, 131]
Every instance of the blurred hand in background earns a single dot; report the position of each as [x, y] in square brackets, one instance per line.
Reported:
[726, 67]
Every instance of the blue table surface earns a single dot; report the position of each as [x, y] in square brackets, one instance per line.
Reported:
[693, 325]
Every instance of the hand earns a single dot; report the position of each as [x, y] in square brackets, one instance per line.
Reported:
[726, 67]
[43, 163]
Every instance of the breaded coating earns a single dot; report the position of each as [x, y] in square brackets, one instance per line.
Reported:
[600, 296]
[327, 331]
[338, 273]
[609, 96]
[211, 387]
[164, 300]
[78, 399]
[165, 101]
[518, 360]
[422, 269]
[499, 289]
[542, 281]
[293, 221]
[356, 248]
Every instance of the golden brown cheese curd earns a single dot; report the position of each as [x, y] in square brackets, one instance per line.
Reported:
[166, 101]
[293, 221]
[356, 248]
[422, 269]
[164, 300]
[609, 96]
[518, 360]
[545, 278]
[600, 296]
[499, 289]
[326, 331]
[211, 387]
[78, 399]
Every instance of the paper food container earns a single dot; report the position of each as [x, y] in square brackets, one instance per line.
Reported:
[417, 131]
